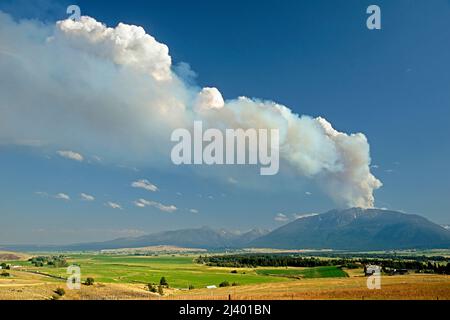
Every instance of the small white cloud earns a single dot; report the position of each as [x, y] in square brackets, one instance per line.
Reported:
[62, 196]
[139, 204]
[281, 217]
[232, 180]
[142, 203]
[308, 193]
[164, 208]
[179, 194]
[210, 197]
[193, 211]
[113, 205]
[144, 184]
[375, 166]
[71, 155]
[41, 193]
[87, 197]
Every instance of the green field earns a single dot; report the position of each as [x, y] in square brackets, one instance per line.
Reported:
[306, 273]
[180, 271]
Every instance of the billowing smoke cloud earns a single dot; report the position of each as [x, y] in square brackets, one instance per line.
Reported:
[110, 91]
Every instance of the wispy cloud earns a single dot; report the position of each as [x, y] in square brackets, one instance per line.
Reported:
[280, 217]
[87, 197]
[194, 211]
[62, 196]
[142, 203]
[145, 184]
[303, 215]
[113, 205]
[308, 193]
[232, 180]
[41, 193]
[71, 155]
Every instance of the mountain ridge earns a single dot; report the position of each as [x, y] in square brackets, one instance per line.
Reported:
[348, 229]
[358, 229]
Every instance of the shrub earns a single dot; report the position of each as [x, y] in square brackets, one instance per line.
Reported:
[163, 282]
[234, 284]
[89, 281]
[60, 292]
[5, 274]
[152, 288]
[160, 290]
[224, 284]
[233, 271]
[191, 287]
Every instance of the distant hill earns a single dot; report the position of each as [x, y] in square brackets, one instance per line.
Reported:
[199, 238]
[7, 256]
[204, 237]
[357, 229]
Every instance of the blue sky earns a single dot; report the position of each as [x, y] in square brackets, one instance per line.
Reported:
[317, 57]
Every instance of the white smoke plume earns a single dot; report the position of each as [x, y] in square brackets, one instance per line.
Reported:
[109, 91]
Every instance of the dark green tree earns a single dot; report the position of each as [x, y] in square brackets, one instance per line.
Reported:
[163, 282]
[89, 281]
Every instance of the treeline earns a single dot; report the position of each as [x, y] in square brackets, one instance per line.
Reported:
[277, 260]
[252, 261]
[53, 261]
[386, 256]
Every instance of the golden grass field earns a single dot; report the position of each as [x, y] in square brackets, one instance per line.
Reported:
[26, 286]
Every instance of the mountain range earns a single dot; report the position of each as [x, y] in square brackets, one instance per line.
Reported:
[350, 229]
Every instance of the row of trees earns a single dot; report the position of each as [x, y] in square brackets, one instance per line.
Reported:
[5, 266]
[278, 260]
[53, 261]
[251, 261]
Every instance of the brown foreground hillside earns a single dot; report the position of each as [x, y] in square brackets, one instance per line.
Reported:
[23, 285]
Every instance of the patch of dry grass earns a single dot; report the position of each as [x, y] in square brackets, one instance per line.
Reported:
[414, 287]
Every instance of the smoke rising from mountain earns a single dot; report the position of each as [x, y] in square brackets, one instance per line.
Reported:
[114, 92]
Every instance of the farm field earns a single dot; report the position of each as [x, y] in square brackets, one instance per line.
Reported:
[304, 273]
[180, 271]
[126, 277]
